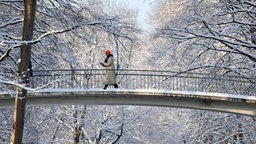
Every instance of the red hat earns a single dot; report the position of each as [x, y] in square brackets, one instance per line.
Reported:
[107, 52]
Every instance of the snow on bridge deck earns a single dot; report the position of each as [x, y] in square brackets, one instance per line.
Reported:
[239, 104]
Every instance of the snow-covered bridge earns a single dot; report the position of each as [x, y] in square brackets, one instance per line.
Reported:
[140, 87]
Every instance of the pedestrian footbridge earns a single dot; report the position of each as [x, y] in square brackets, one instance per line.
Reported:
[230, 94]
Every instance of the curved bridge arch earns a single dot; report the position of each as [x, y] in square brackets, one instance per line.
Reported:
[245, 105]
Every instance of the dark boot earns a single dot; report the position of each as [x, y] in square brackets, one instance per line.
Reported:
[105, 87]
[115, 85]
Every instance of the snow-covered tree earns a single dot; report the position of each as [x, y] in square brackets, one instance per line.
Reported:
[67, 34]
[217, 35]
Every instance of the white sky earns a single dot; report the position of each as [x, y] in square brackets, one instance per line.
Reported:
[143, 6]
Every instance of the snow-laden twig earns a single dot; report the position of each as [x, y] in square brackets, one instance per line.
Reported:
[29, 88]
[12, 21]
[16, 84]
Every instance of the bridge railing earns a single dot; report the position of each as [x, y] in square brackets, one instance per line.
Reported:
[144, 79]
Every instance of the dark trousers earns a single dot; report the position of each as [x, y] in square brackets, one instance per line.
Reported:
[115, 86]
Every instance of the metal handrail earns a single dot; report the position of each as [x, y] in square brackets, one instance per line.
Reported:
[176, 74]
[144, 79]
[140, 79]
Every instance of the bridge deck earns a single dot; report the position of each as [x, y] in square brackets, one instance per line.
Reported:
[239, 104]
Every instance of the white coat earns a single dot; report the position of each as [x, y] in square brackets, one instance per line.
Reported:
[110, 78]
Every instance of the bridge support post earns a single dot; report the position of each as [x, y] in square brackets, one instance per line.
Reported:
[24, 70]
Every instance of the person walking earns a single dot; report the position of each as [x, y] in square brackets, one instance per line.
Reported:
[110, 78]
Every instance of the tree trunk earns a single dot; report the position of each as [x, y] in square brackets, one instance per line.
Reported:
[23, 72]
